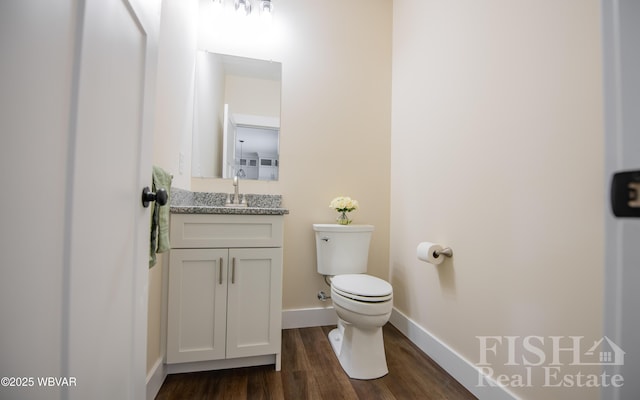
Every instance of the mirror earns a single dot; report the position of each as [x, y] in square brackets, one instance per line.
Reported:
[236, 117]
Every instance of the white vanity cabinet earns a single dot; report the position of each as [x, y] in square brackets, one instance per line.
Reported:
[225, 290]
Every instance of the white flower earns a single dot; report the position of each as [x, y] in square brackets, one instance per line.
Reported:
[343, 204]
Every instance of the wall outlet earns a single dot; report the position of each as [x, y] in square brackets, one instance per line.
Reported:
[181, 164]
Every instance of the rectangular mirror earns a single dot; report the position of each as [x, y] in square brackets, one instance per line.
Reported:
[236, 118]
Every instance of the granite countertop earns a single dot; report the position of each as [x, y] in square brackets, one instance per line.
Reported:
[187, 202]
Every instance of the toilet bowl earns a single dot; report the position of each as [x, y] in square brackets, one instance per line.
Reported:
[358, 341]
[362, 302]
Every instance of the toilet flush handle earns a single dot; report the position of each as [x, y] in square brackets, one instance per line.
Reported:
[326, 239]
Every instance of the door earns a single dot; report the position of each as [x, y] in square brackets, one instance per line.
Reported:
[108, 228]
[77, 81]
[254, 302]
[197, 305]
[621, 54]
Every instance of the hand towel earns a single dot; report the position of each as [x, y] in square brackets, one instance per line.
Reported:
[160, 216]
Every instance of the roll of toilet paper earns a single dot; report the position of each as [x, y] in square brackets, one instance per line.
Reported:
[426, 252]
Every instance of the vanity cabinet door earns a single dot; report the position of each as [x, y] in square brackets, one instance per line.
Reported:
[254, 316]
[197, 299]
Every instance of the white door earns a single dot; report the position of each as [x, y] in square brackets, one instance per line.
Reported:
[109, 228]
[77, 80]
[37, 46]
[621, 53]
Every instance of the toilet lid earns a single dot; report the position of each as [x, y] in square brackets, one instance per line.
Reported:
[362, 285]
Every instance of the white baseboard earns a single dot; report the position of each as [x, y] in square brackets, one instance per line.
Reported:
[155, 378]
[306, 317]
[457, 366]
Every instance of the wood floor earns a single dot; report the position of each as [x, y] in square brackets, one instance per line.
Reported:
[310, 370]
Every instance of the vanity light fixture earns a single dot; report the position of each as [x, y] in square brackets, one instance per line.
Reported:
[245, 7]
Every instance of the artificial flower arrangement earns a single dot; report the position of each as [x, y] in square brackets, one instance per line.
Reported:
[343, 205]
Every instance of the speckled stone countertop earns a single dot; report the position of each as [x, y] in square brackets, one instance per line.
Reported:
[187, 202]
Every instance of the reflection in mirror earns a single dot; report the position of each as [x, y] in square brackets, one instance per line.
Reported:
[236, 119]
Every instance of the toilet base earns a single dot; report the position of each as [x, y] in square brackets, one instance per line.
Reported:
[360, 351]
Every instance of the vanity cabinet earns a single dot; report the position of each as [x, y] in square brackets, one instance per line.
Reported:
[225, 289]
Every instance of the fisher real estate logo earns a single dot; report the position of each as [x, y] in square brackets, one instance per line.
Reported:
[552, 361]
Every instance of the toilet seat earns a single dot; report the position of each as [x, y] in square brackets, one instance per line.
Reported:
[363, 288]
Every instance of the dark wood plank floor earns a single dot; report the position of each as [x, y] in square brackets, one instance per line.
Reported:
[310, 370]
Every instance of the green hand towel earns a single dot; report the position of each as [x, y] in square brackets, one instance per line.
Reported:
[160, 216]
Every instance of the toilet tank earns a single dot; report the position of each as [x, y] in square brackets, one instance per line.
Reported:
[342, 249]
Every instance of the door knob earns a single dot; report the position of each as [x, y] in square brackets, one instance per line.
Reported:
[160, 197]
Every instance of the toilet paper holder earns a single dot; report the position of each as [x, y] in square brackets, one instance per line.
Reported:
[447, 252]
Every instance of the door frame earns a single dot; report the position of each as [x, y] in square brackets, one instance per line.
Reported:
[620, 30]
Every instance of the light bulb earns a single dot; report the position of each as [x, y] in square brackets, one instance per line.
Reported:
[243, 7]
[266, 7]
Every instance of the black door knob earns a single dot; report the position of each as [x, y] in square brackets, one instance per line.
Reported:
[160, 197]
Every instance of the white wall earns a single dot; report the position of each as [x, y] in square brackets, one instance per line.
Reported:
[172, 136]
[174, 104]
[496, 151]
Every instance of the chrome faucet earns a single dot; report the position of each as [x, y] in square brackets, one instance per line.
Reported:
[236, 189]
[235, 201]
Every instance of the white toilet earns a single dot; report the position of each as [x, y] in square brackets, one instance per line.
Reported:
[363, 302]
